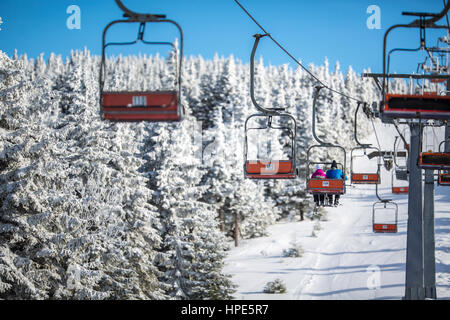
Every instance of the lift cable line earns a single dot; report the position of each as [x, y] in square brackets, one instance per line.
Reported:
[292, 57]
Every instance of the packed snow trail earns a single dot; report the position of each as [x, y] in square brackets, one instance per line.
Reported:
[344, 259]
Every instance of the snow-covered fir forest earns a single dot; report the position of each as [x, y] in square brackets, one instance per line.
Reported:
[97, 210]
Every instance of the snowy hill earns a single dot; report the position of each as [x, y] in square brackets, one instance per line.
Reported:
[345, 259]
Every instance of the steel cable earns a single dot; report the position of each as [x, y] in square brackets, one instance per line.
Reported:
[292, 57]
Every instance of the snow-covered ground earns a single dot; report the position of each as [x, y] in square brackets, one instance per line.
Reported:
[344, 259]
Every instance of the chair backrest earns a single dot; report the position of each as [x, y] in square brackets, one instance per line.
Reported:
[427, 106]
[331, 186]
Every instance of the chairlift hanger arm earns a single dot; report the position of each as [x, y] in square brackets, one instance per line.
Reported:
[252, 79]
[376, 190]
[316, 96]
[443, 143]
[402, 137]
[356, 129]
[400, 153]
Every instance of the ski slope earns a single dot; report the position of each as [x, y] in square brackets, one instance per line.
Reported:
[344, 259]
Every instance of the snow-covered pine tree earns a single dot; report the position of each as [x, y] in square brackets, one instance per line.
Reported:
[193, 248]
[112, 195]
[87, 207]
[21, 141]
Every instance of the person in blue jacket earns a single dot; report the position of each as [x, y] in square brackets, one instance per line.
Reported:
[334, 173]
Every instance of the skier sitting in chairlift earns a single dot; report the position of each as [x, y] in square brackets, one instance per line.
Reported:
[334, 173]
[319, 198]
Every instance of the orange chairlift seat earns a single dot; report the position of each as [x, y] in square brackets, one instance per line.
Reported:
[140, 105]
[426, 106]
[444, 179]
[365, 178]
[435, 160]
[400, 190]
[404, 106]
[279, 169]
[324, 185]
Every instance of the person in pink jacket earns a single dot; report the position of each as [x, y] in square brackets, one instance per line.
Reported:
[319, 174]
[319, 198]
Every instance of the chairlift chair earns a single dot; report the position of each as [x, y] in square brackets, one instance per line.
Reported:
[388, 206]
[269, 168]
[389, 226]
[424, 106]
[427, 105]
[365, 177]
[134, 106]
[411, 106]
[444, 179]
[435, 160]
[401, 171]
[396, 189]
[325, 186]
[418, 106]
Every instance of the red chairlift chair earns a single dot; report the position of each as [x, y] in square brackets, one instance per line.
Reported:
[389, 226]
[140, 105]
[269, 168]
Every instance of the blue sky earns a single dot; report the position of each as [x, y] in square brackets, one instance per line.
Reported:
[310, 30]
